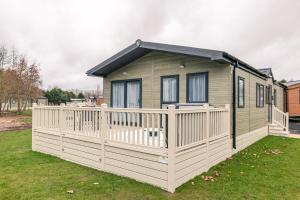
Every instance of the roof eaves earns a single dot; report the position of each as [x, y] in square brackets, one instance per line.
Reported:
[123, 52]
[213, 55]
[180, 49]
[249, 67]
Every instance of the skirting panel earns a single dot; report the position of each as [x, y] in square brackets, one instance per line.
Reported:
[82, 152]
[46, 143]
[193, 162]
[247, 139]
[141, 166]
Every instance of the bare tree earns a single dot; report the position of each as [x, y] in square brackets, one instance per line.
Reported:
[3, 62]
[19, 80]
[27, 82]
[3, 56]
[32, 84]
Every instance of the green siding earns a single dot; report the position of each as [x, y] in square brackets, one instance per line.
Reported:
[154, 65]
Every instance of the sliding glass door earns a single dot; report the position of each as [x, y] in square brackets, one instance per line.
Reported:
[126, 94]
[133, 94]
[118, 94]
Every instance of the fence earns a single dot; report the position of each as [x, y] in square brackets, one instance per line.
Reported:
[281, 118]
[163, 147]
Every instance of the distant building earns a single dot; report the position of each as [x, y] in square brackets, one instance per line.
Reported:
[77, 100]
[42, 101]
[293, 98]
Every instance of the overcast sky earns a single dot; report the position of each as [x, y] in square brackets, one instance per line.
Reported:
[67, 38]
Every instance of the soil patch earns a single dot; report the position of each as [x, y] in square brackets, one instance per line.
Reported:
[9, 123]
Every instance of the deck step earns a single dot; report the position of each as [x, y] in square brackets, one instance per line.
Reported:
[285, 134]
[276, 130]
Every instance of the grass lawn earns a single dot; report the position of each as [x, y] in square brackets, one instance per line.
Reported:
[27, 120]
[269, 169]
[26, 112]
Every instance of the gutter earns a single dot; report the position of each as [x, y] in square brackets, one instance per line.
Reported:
[235, 65]
[244, 66]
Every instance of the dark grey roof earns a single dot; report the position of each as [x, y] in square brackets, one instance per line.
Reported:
[141, 48]
[290, 83]
[266, 71]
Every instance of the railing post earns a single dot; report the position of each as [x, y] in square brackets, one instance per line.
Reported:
[227, 107]
[207, 127]
[103, 133]
[33, 125]
[228, 126]
[287, 122]
[171, 147]
[273, 114]
[61, 124]
[206, 106]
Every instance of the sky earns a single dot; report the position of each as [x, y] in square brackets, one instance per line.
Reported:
[68, 37]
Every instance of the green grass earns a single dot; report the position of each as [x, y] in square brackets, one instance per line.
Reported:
[255, 173]
[25, 120]
[25, 112]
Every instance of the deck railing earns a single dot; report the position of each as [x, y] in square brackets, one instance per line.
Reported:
[141, 127]
[199, 125]
[281, 118]
[146, 127]
[164, 147]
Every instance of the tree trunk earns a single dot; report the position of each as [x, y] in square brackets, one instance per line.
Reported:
[19, 105]
[24, 107]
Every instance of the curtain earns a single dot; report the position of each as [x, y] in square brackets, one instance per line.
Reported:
[257, 96]
[133, 94]
[169, 89]
[261, 95]
[118, 95]
[197, 88]
[241, 92]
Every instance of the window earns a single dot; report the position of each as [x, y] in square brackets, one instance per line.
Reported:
[241, 92]
[267, 94]
[259, 95]
[126, 94]
[275, 97]
[118, 94]
[169, 89]
[197, 88]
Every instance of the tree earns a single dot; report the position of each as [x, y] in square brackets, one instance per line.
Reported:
[283, 81]
[3, 61]
[4, 58]
[26, 82]
[56, 96]
[70, 95]
[18, 80]
[81, 96]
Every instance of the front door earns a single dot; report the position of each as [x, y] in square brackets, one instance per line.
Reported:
[269, 102]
